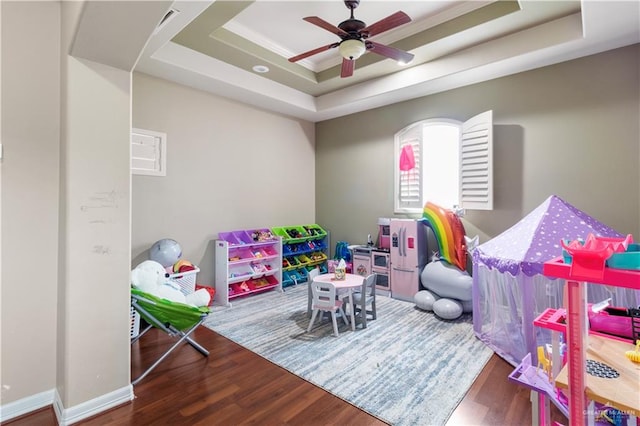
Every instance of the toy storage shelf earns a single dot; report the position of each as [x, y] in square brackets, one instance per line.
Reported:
[247, 262]
[621, 392]
[303, 248]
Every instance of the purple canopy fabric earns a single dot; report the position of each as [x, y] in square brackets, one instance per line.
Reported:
[536, 238]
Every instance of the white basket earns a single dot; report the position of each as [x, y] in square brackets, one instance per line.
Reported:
[135, 323]
[186, 280]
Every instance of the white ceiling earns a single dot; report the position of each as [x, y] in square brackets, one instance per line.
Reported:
[204, 46]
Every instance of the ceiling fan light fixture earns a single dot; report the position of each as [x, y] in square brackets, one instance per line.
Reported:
[355, 38]
[352, 49]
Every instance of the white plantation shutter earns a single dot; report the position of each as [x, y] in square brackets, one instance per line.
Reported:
[476, 163]
[408, 183]
[473, 164]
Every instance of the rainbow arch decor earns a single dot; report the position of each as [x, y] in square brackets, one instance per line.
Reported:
[449, 232]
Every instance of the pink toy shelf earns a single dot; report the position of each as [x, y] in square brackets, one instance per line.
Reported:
[552, 319]
[623, 328]
[589, 262]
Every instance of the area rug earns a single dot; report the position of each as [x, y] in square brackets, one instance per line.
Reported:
[408, 367]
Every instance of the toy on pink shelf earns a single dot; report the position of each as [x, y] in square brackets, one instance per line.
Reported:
[598, 246]
[610, 320]
[544, 362]
[588, 258]
[634, 355]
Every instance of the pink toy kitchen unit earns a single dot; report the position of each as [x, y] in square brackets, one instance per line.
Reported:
[381, 266]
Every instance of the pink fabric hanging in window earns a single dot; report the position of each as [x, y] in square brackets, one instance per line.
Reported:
[407, 160]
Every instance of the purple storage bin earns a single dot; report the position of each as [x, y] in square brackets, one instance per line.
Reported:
[228, 237]
[243, 237]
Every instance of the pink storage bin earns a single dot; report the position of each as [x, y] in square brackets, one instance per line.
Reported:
[269, 251]
[240, 254]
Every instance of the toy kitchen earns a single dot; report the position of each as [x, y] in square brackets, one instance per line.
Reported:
[370, 258]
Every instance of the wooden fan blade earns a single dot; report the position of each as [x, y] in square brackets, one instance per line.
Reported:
[347, 67]
[313, 52]
[389, 52]
[325, 25]
[386, 24]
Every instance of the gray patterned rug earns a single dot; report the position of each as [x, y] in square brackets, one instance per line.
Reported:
[407, 367]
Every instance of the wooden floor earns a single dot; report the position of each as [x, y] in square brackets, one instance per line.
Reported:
[235, 386]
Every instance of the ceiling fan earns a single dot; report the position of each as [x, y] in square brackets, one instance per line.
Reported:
[355, 41]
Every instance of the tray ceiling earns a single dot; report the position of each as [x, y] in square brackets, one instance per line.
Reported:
[216, 46]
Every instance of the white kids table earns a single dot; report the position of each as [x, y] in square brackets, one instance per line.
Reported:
[350, 282]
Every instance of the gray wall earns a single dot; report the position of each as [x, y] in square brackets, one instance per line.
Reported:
[229, 166]
[570, 129]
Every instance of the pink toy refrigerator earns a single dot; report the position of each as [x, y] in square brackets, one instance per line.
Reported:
[408, 253]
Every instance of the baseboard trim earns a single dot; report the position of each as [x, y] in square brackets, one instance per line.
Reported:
[68, 416]
[26, 405]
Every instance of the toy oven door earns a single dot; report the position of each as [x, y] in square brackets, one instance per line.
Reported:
[382, 278]
[380, 259]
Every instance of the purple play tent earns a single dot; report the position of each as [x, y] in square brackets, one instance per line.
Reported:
[509, 290]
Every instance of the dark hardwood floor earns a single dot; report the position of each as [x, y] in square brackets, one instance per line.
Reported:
[235, 386]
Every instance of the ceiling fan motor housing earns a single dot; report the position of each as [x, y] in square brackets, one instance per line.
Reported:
[353, 27]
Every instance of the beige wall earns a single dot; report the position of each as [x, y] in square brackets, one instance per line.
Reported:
[65, 219]
[570, 129]
[229, 166]
[94, 343]
[30, 173]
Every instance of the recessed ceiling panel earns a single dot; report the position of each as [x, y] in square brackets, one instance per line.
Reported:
[216, 46]
[267, 33]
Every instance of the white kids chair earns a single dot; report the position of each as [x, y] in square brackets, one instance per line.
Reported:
[324, 300]
[364, 300]
[311, 275]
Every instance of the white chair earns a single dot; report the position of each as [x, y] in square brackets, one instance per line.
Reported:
[310, 277]
[364, 297]
[324, 300]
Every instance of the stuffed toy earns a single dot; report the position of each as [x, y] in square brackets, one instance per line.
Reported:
[151, 277]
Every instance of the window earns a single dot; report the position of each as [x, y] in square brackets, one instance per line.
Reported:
[148, 153]
[446, 162]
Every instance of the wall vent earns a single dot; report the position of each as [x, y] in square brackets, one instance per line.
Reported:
[172, 13]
